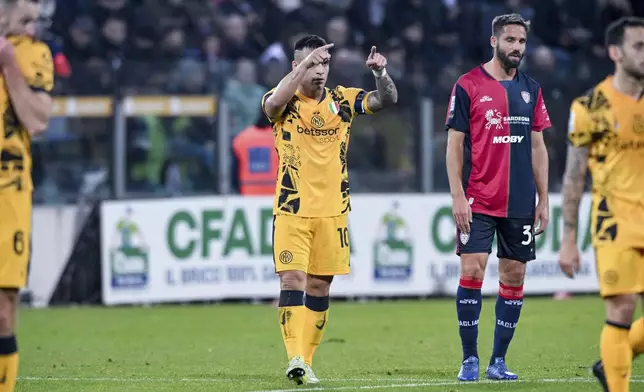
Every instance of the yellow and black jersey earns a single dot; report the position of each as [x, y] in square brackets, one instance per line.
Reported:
[611, 125]
[35, 61]
[311, 138]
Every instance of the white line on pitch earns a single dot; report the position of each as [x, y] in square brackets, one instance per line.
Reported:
[411, 382]
[206, 380]
[432, 384]
[131, 379]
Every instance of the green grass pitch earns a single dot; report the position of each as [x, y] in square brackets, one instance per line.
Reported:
[389, 346]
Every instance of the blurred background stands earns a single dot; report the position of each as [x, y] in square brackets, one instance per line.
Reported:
[236, 50]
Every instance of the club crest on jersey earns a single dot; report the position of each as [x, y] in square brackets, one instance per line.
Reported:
[526, 96]
[464, 237]
[334, 107]
[317, 120]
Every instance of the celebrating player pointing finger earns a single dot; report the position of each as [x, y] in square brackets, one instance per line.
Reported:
[311, 238]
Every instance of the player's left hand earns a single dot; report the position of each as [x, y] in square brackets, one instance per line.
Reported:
[376, 61]
[541, 218]
[7, 52]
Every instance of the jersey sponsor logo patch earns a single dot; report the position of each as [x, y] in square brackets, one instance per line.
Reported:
[452, 106]
[317, 120]
[526, 96]
[571, 122]
[494, 118]
[285, 257]
[323, 136]
[464, 237]
[507, 139]
[486, 98]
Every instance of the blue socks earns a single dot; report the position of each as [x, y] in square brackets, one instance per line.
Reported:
[468, 309]
[508, 310]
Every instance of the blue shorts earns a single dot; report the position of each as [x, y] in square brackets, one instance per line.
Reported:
[515, 237]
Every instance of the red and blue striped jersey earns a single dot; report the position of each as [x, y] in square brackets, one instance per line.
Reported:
[498, 118]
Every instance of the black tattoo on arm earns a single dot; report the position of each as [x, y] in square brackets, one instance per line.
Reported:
[386, 94]
[573, 187]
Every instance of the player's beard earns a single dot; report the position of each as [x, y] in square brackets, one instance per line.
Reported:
[507, 61]
[317, 84]
[633, 71]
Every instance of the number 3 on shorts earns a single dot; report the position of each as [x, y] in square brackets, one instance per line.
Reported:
[527, 231]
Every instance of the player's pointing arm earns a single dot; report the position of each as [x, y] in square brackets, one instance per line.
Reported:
[276, 102]
[29, 78]
[386, 94]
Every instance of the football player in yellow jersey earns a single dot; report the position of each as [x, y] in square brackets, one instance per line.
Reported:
[312, 124]
[606, 133]
[27, 73]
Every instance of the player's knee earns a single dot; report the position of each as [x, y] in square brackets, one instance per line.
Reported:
[318, 286]
[620, 309]
[292, 280]
[511, 272]
[473, 265]
[8, 303]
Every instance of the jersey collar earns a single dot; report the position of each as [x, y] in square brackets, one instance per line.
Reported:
[309, 100]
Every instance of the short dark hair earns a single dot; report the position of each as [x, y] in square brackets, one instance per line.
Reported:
[501, 21]
[13, 3]
[309, 42]
[615, 31]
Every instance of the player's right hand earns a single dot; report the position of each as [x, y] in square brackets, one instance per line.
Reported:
[318, 56]
[569, 259]
[7, 53]
[462, 213]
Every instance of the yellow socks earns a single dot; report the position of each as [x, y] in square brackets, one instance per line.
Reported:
[636, 336]
[317, 318]
[302, 326]
[617, 356]
[291, 318]
[8, 363]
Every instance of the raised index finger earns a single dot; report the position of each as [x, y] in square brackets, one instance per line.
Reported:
[326, 47]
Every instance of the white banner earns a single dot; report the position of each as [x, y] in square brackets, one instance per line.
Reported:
[53, 237]
[212, 248]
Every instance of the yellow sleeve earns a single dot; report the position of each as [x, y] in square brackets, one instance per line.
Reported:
[357, 99]
[581, 125]
[264, 98]
[36, 63]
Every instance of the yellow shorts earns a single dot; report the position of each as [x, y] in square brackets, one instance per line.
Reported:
[620, 270]
[317, 246]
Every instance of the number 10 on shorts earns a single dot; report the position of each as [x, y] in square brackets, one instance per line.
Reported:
[343, 233]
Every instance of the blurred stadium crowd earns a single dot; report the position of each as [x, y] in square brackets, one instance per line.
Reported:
[238, 49]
